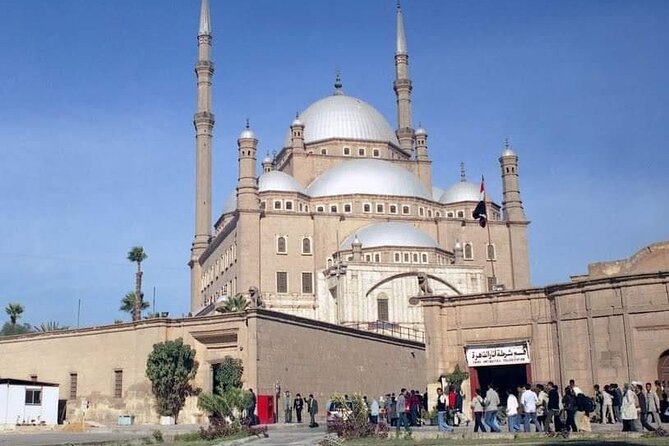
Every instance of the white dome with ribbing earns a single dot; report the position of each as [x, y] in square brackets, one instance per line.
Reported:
[390, 234]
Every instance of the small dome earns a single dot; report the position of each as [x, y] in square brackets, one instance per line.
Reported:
[247, 133]
[230, 204]
[297, 121]
[345, 117]
[367, 176]
[390, 234]
[278, 181]
[508, 152]
[437, 192]
[267, 159]
[420, 131]
[461, 191]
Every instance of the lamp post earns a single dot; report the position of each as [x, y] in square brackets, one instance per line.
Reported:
[277, 392]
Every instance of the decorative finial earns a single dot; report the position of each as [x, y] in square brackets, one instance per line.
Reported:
[205, 21]
[297, 115]
[506, 143]
[338, 85]
[463, 177]
[248, 125]
[399, 6]
[401, 47]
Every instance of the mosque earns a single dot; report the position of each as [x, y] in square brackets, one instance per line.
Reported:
[339, 224]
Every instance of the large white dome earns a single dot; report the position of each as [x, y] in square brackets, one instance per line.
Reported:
[390, 234]
[367, 176]
[345, 117]
[461, 191]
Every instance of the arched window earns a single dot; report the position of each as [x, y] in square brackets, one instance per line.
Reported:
[306, 245]
[468, 251]
[491, 252]
[281, 245]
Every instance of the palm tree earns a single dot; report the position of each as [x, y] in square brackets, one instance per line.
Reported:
[50, 326]
[137, 255]
[14, 311]
[235, 304]
[129, 303]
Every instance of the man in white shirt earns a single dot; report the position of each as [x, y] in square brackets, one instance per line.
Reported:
[512, 411]
[529, 402]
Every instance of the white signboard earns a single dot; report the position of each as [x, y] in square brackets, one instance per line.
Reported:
[478, 356]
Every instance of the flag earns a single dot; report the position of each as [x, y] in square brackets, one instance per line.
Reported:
[480, 212]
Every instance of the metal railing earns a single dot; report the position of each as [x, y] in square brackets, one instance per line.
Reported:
[391, 329]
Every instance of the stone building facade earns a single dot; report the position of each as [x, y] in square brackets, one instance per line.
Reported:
[610, 325]
[344, 174]
[106, 366]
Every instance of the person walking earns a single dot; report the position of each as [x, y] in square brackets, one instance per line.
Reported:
[643, 408]
[288, 407]
[512, 417]
[652, 404]
[617, 402]
[584, 407]
[542, 407]
[491, 407]
[628, 412]
[553, 407]
[374, 412]
[251, 408]
[298, 405]
[392, 410]
[312, 408]
[569, 404]
[403, 411]
[607, 406]
[529, 402]
[442, 404]
[458, 413]
[478, 408]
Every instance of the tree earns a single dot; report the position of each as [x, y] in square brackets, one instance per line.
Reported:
[457, 377]
[170, 367]
[50, 326]
[14, 310]
[235, 304]
[129, 304]
[229, 374]
[137, 255]
[8, 329]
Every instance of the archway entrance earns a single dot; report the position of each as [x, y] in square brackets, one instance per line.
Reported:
[663, 367]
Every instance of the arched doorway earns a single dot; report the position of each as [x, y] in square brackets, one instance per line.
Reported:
[663, 367]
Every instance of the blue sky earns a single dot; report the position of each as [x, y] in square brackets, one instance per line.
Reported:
[97, 143]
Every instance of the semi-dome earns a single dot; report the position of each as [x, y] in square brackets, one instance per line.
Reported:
[390, 234]
[345, 117]
[278, 181]
[461, 191]
[367, 176]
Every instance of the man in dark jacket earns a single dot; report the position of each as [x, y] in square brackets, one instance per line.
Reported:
[617, 401]
[553, 408]
[312, 407]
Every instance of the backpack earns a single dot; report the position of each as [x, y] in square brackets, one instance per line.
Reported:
[588, 405]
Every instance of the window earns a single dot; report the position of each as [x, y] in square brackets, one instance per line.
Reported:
[324, 151]
[414, 257]
[281, 282]
[376, 153]
[118, 383]
[281, 247]
[423, 257]
[461, 214]
[347, 151]
[377, 258]
[347, 208]
[438, 213]
[263, 204]
[307, 283]
[320, 209]
[491, 252]
[73, 386]
[382, 309]
[492, 283]
[33, 397]
[361, 152]
[406, 210]
[392, 209]
[468, 251]
[333, 208]
[421, 211]
[380, 208]
[407, 257]
[450, 214]
[429, 212]
[367, 208]
[301, 207]
[397, 257]
[306, 245]
[368, 257]
[277, 204]
[289, 205]
[306, 208]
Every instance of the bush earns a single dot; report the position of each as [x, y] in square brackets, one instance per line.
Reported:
[220, 428]
[158, 436]
[355, 423]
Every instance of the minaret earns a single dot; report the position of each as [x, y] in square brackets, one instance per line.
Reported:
[297, 134]
[247, 185]
[424, 165]
[512, 205]
[204, 124]
[402, 87]
[267, 164]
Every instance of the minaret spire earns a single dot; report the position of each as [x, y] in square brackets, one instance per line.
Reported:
[402, 86]
[203, 121]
